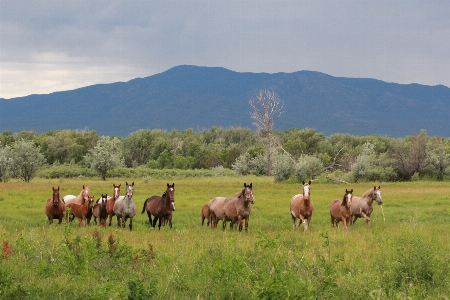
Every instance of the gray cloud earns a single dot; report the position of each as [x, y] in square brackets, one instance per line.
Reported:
[48, 46]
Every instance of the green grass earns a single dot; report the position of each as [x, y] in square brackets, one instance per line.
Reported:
[405, 257]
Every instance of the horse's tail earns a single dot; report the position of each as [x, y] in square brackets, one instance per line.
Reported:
[145, 204]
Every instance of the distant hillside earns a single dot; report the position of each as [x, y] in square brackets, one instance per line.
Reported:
[201, 97]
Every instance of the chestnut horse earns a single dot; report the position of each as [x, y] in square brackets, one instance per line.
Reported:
[82, 211]
[205, 214]
[80, 199]
[111, 201]
[340, 210]
[302, 207]
[125, 208]
[362, 206]
[55, 207]
[161, 207]
[237, 208]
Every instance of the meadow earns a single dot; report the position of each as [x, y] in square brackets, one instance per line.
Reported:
[403, 255]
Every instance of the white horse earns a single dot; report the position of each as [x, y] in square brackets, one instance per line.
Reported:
[125, 208]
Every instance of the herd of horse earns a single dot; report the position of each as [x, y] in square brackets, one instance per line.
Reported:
[235, 209]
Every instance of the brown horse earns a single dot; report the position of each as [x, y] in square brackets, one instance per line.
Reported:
[215, 210]
[81, 211]
[100, 207]
[111, 201]
[80, 199]
[125, 208]
[340, 210]
[362, 206]
[161, 207]
[205, 214]
[237, 209]
[55, 207]
[302, 207]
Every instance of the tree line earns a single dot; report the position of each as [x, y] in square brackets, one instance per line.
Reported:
[295, 154]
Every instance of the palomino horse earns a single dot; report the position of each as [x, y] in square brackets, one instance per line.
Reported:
[82, 197]
[362, 206]
[55, 207]
[125, 207]
[237, 208]
[161, 207]
[302, 207]
[340, 210]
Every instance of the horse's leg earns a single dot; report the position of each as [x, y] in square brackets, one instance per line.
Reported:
[149, 214]
[159, 224]
[131, 223]
[246, 223]
[304, 222]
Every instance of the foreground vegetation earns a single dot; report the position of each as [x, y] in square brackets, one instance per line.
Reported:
[403, 257]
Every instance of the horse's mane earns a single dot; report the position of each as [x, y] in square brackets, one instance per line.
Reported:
[367, 193]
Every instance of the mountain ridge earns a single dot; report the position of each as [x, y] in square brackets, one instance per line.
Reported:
[202, 97]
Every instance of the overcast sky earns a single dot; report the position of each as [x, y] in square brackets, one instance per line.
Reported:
[48, 46]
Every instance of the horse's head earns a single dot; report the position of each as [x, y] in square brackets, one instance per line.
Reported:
[104, 198]
[348, 198]
[116, 191]
[55, 196]
[85, 193]
[247, 192]
[377, 195]
[130, 189]
[91, 200]
[306, 189]
[170, 193]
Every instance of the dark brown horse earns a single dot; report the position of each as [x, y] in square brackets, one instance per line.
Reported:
[55, 207]
[237, 209]
[99, 210]
[340, 210]
[161, 207]
[302, 207]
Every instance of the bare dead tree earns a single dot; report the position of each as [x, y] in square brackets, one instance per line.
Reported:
[267, 108]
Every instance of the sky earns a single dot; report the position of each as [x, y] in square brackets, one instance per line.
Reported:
[49, 46]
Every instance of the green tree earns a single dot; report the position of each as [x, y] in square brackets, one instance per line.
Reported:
[26, 159]
[439, 157]
[106, 155]
[5, 163]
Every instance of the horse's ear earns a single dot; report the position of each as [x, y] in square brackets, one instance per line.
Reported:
[379, 187]
[351, 191]
[168, 185]
[303, 182]
[132, 183]
[374, 187]
[126, 182]
[250, 184]
[173, 184]
[309, 182]
[245, 185]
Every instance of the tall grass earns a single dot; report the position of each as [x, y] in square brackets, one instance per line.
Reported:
[405, 257]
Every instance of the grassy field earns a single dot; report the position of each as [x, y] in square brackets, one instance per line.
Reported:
[404, 257]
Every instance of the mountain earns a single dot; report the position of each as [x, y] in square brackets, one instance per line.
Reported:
[202, 97]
